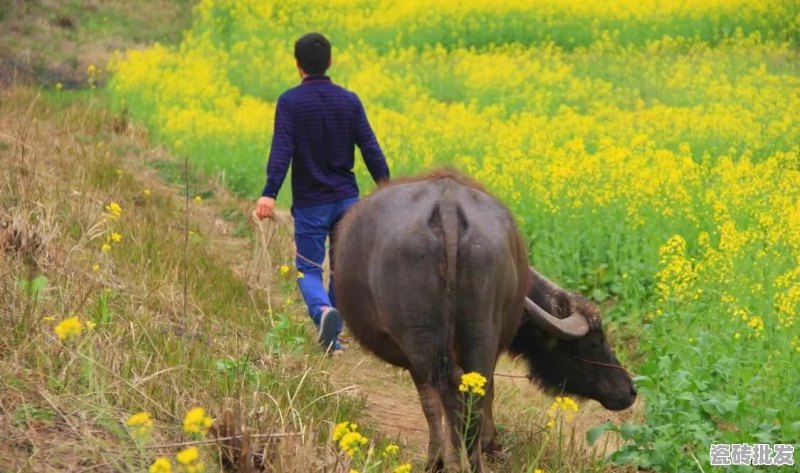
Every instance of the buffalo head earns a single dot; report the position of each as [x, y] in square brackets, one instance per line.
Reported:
[562, 338]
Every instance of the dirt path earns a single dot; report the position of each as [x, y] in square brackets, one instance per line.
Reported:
[393, 405]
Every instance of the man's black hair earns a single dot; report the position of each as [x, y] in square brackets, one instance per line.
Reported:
[313, 52]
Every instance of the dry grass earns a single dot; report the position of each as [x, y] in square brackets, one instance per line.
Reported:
[63, 405]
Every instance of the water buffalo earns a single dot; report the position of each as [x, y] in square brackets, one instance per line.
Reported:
[432, 276]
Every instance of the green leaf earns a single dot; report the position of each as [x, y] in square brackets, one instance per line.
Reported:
[599, 295]
[643, 381]
[729, 405]
[23, 285]
[103, 314]
[627, 431]
[593, 434]
[36, 286]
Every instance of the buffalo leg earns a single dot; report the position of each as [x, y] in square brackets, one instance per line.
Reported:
[432, 408]
[489, 442]
[464, 452]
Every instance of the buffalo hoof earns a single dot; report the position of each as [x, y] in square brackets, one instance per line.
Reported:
[492, 447]
[435, 466]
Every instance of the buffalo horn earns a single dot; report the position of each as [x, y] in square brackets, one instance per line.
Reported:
[537, 276]
[574, 326]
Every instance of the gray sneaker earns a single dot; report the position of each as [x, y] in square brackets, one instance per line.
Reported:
[328, 326]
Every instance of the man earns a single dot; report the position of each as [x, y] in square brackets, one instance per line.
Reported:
[317, 125]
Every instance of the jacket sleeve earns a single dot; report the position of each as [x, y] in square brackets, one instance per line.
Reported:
[368, 144]
[281, 151]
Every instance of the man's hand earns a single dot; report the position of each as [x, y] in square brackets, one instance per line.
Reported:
[265, 207]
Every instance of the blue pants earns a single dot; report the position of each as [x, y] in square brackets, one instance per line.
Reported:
[312, 226]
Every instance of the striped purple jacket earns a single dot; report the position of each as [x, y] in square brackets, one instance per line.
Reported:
[317, 125]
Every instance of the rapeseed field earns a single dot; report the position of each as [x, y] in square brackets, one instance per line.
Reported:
[650, 151]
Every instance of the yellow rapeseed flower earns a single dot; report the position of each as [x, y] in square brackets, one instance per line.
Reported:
[351, 443]
[140, 424]
[161, 465]
[404, 468]
[105, 247]
[343, 428]
[756, 323]
[197, 422]
[198, 198]
[560, 405]
[390, 450]
[472, 382]
[284, 270]
[113, 211]
[116, 237]
[189, 461]
[187, 456]
[96, 267]
[69, 328]
[146, 192]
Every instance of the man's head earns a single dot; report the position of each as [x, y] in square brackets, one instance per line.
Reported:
[313, 54]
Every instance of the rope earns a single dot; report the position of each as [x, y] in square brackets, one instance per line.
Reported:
[600, 363]
[517, 376]
[261, 268]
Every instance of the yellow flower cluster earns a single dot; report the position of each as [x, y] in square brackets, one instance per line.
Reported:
[561, 405]
[390, 450]
[757, 324]
[69, 328]
[676, 274]
[160, 465]
[342, 428]
[140, 424]
[189, 461]
[113, 211]
[472, 382]
[348, 438]
[404, 468]
[351, 443]
[197, 422]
